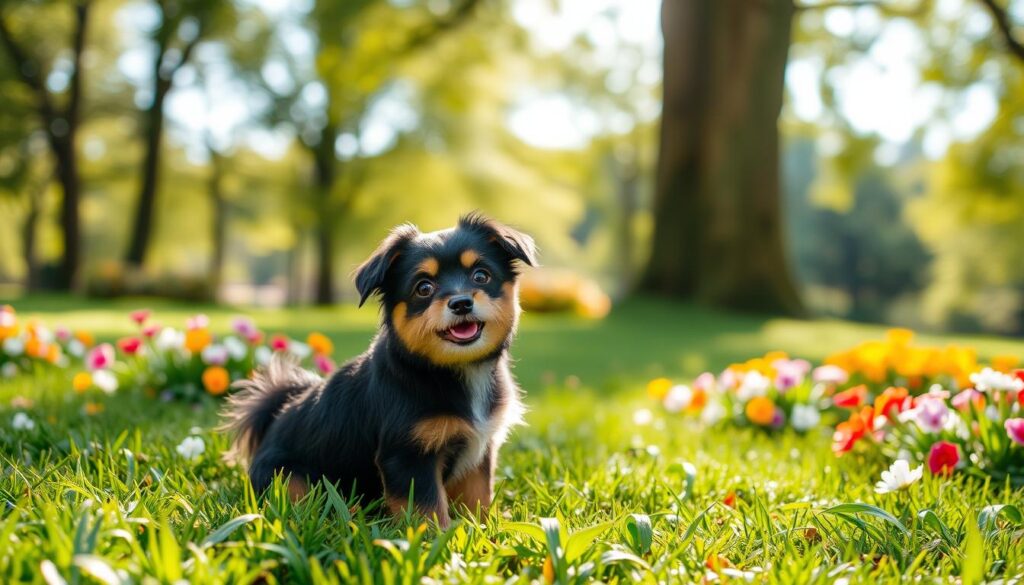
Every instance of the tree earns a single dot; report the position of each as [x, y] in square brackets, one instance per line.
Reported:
[183, 25]
[60, 123]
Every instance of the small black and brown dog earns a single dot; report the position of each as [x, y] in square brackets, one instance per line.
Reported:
[427, 406]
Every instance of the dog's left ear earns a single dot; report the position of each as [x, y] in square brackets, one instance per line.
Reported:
[371, 274]
[515, 243]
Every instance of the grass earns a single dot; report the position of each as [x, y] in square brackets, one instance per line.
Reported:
[584, 488]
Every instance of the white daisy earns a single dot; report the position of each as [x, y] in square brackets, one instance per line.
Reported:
[105, 380]
[191, 448]
[642, 417]
[804, 417]
[898, 476]
[991, 380]
[678, 398]
[22, 422]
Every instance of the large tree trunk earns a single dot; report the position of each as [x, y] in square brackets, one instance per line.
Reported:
[718, 233]
[325, 216]
[67, 175]
[142, 228]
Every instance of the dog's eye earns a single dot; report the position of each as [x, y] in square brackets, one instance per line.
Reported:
[481, 276]
[424, 288]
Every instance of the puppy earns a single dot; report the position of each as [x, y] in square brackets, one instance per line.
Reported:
[427, 406]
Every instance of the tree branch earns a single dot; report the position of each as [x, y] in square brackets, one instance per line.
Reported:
[78, 46]
[28, 71]
[426, 34]
[879, 4]
[1002, 22]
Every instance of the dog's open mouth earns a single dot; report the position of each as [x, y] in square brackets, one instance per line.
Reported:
[464, 333]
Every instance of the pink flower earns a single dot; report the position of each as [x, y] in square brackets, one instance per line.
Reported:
[963, 400]
[279, 343]
[140, 316]
[130, 345]
[199, 321]
[100, 357]
[63, 334]
[1015, 428]
[728, 379]
[943, 457]
[704, 382]
[150, 331]
[790, 373]
[245, 327]
[931, 413]
[324, 364]
[830, 374]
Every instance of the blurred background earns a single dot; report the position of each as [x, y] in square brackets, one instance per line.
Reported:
[853, 159]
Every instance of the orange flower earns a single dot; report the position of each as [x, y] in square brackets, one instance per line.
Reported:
[53, 353]
[1005, 363]
[549, 570]
[35, 348]
[892, 398]
[81, 382]
[899, 336]
[85, 338]
[852, 397]
[730, 500]
[760, 410]
[93, 408]
[849, 432]
[717, 562]
[216, 380]
[700, 399]
[197, 339]
[657, 389]
[320, 344]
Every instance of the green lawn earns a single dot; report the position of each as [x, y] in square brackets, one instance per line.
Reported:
[107, 498]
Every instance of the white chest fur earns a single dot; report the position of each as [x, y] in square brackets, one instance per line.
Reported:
[490, 426]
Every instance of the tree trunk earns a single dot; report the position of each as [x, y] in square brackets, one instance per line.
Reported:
[325, 216]
[28, 237]
[142, 230]
[718, 227]
[220, 222]
[67, 175]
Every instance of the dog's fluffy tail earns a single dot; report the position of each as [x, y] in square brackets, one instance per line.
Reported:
[258, 400]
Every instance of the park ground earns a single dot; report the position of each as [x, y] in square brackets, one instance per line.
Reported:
[105, 497]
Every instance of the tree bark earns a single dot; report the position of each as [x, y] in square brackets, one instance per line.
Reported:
[142, 228]
[28, 237]
[325, 174]
[220, 222]
[718, 226]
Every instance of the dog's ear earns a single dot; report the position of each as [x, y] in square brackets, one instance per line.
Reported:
[371, 274]
[515, 243]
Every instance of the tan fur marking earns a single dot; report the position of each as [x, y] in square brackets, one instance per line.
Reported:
[429, 267]
[469, 258]
[434, 433]
[397, 504]
[472, 490]
[297, 489]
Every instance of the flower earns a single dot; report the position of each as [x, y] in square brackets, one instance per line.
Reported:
[852, 397]
[199, 321]
[1015, 429]
[965, 399]
[216, 380]
[22, 422]
[236, 348]
[1005, 363]
[105, 380]
[245, 327]
[150, 331]
[830, 374]
[898, 476]
[140, 316]
[81, 382]
[92, 408]
[191, 448]
[790, 373]
[760, 410]
[169, 339]
[657, 389]
[9, 370]
[299, 349]
[130, 345]
[323, 363]
[943, 457]
[848, 432]
[678, 398]
[14, 346]
[804, 417]
[642, 417]
[754, 384]
[279, 342]
[85, 338]
[263, 355]
[215, 355]
[892, 398]
[320, 344]
[712, 413]
[99, 357]
[930, 413]
[991, 380]
[196, 340]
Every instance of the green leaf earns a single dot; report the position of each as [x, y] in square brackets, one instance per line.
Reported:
[988, 516]
[641, 533]
[858, 508]
[218, 536]
[972, 570]
[581, 540]
[531, 531]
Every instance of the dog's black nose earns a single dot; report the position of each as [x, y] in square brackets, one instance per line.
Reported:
[460, 305]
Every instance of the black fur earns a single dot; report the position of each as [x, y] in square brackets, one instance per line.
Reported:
[358, 428]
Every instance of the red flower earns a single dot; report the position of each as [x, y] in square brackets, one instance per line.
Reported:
[730, 500]
[279, 343]
[851, 398]
[943, 457]
[892, 398]
[150, 331]
[849, 432]
[130, 345]
[141, 315]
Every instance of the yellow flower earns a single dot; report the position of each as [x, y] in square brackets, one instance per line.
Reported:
[320, 344]
[81, 382]
[85, 338]
[1005, 363]
[901, 337]
[196, 340]
[657, 389]
[760, 411]
[216, 380]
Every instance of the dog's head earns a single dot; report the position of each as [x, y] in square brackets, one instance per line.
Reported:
[450, 296]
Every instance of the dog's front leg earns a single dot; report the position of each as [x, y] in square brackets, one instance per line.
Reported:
[405, 469]
[476, 488]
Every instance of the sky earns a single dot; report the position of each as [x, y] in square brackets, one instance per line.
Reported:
[881, 93]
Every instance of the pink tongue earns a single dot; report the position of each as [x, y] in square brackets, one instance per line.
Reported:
[464, 330]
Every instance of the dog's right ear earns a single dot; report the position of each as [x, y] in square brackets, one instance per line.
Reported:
[371, 274]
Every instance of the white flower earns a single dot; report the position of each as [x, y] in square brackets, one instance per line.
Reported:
[215, 355]
[804, 417]
[754, 384]
[991, 380]
[712, 413]
[642, 417]
[899, 476]
[22, 422]
[105, 380]
[678, 398]
[76, 348]
[169, 339]
[14, 346]
[263, 355]
[44, 334]
[237, 349]
[9, 370]
[299, 349]
[191, 448]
